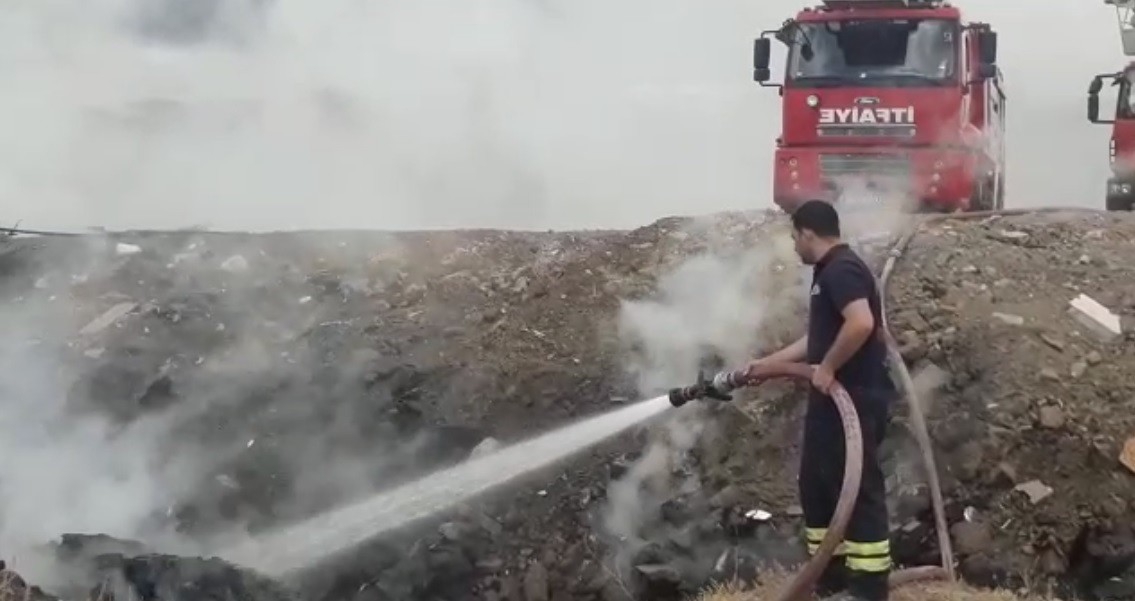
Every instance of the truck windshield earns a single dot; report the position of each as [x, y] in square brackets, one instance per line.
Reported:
[1126, 107]
[884, 52]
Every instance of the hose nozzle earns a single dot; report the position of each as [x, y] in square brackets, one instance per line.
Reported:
[717, 388]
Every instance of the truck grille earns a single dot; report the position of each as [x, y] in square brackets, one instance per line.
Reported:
[864, 165]
[866, 131]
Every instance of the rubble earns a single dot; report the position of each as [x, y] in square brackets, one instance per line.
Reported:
[409, 352]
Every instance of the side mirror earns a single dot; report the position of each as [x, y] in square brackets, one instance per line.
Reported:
[762, 54]
[986, 71]
[1095, 87]
[987, 43]
[1093, 108]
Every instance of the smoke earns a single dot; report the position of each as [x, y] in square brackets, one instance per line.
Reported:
[225, 399]
[715, 310]
[245, 114]
[59, 472]
[346, 114]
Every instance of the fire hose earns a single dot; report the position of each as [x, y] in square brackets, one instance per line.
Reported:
[722, 384]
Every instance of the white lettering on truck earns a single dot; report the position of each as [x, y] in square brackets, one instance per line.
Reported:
[868, 116]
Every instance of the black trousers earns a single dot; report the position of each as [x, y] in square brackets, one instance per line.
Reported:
[866, 548]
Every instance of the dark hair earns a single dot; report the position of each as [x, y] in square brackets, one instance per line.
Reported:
[818, 216]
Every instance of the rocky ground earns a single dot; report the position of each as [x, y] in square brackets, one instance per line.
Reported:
[189, 385]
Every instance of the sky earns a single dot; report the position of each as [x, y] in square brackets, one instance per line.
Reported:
[408, 114]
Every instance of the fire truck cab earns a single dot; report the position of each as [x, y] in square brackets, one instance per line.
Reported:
[1121, 149]
[1120, 193]
[900, 97]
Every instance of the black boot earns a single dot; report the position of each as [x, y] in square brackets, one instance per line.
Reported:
[833, 580]
[868, 586]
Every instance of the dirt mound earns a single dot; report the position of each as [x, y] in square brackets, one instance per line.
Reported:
[767, 588]
[1035, 408]
[236, 382]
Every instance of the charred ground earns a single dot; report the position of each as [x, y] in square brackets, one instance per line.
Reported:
[273, 376]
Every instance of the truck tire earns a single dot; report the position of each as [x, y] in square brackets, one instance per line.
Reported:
[1118, 198]
[1118, 203]
[982, 197]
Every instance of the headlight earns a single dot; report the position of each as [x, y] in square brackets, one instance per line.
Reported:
[813, 100]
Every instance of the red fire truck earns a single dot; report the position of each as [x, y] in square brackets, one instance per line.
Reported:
[1120, 195]
[897, 96]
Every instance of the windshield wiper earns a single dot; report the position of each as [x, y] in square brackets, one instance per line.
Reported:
[823, 80]
[908, 75]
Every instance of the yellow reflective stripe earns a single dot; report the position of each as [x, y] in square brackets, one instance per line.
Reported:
[869, 549]
[869, 564]
[869, 557]
[815, 535]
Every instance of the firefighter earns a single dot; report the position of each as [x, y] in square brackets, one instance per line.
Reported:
[843, 343]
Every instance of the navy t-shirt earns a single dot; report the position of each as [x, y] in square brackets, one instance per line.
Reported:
[839, 278]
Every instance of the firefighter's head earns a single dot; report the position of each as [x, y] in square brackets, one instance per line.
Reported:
[815, 230]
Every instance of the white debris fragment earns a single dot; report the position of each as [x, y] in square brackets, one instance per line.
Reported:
[1036, 490]
[251, 442]
[227, 481]
[235, 264]
[94, 353]
[542, 493]
[103, 321]
[719, 565]
[759, 515]
[127, 249]
[41, 283]
[1097, 318]
[305, 300]
[1009, 318]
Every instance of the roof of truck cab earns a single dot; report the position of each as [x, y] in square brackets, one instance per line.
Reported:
[823, 14]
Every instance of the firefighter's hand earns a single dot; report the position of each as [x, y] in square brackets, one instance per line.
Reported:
[822, 378]
[753, 369]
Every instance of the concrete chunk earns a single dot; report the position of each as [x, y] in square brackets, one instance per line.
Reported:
[1095, 317]
[1036, 490]
[103, 321]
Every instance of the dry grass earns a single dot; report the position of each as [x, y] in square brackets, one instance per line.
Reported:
[919, 591]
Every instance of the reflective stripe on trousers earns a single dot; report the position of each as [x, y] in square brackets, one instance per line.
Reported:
[861, 557]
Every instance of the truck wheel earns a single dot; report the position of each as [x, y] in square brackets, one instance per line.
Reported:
[1120, 195]
[1118, 203]
[981, 199]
